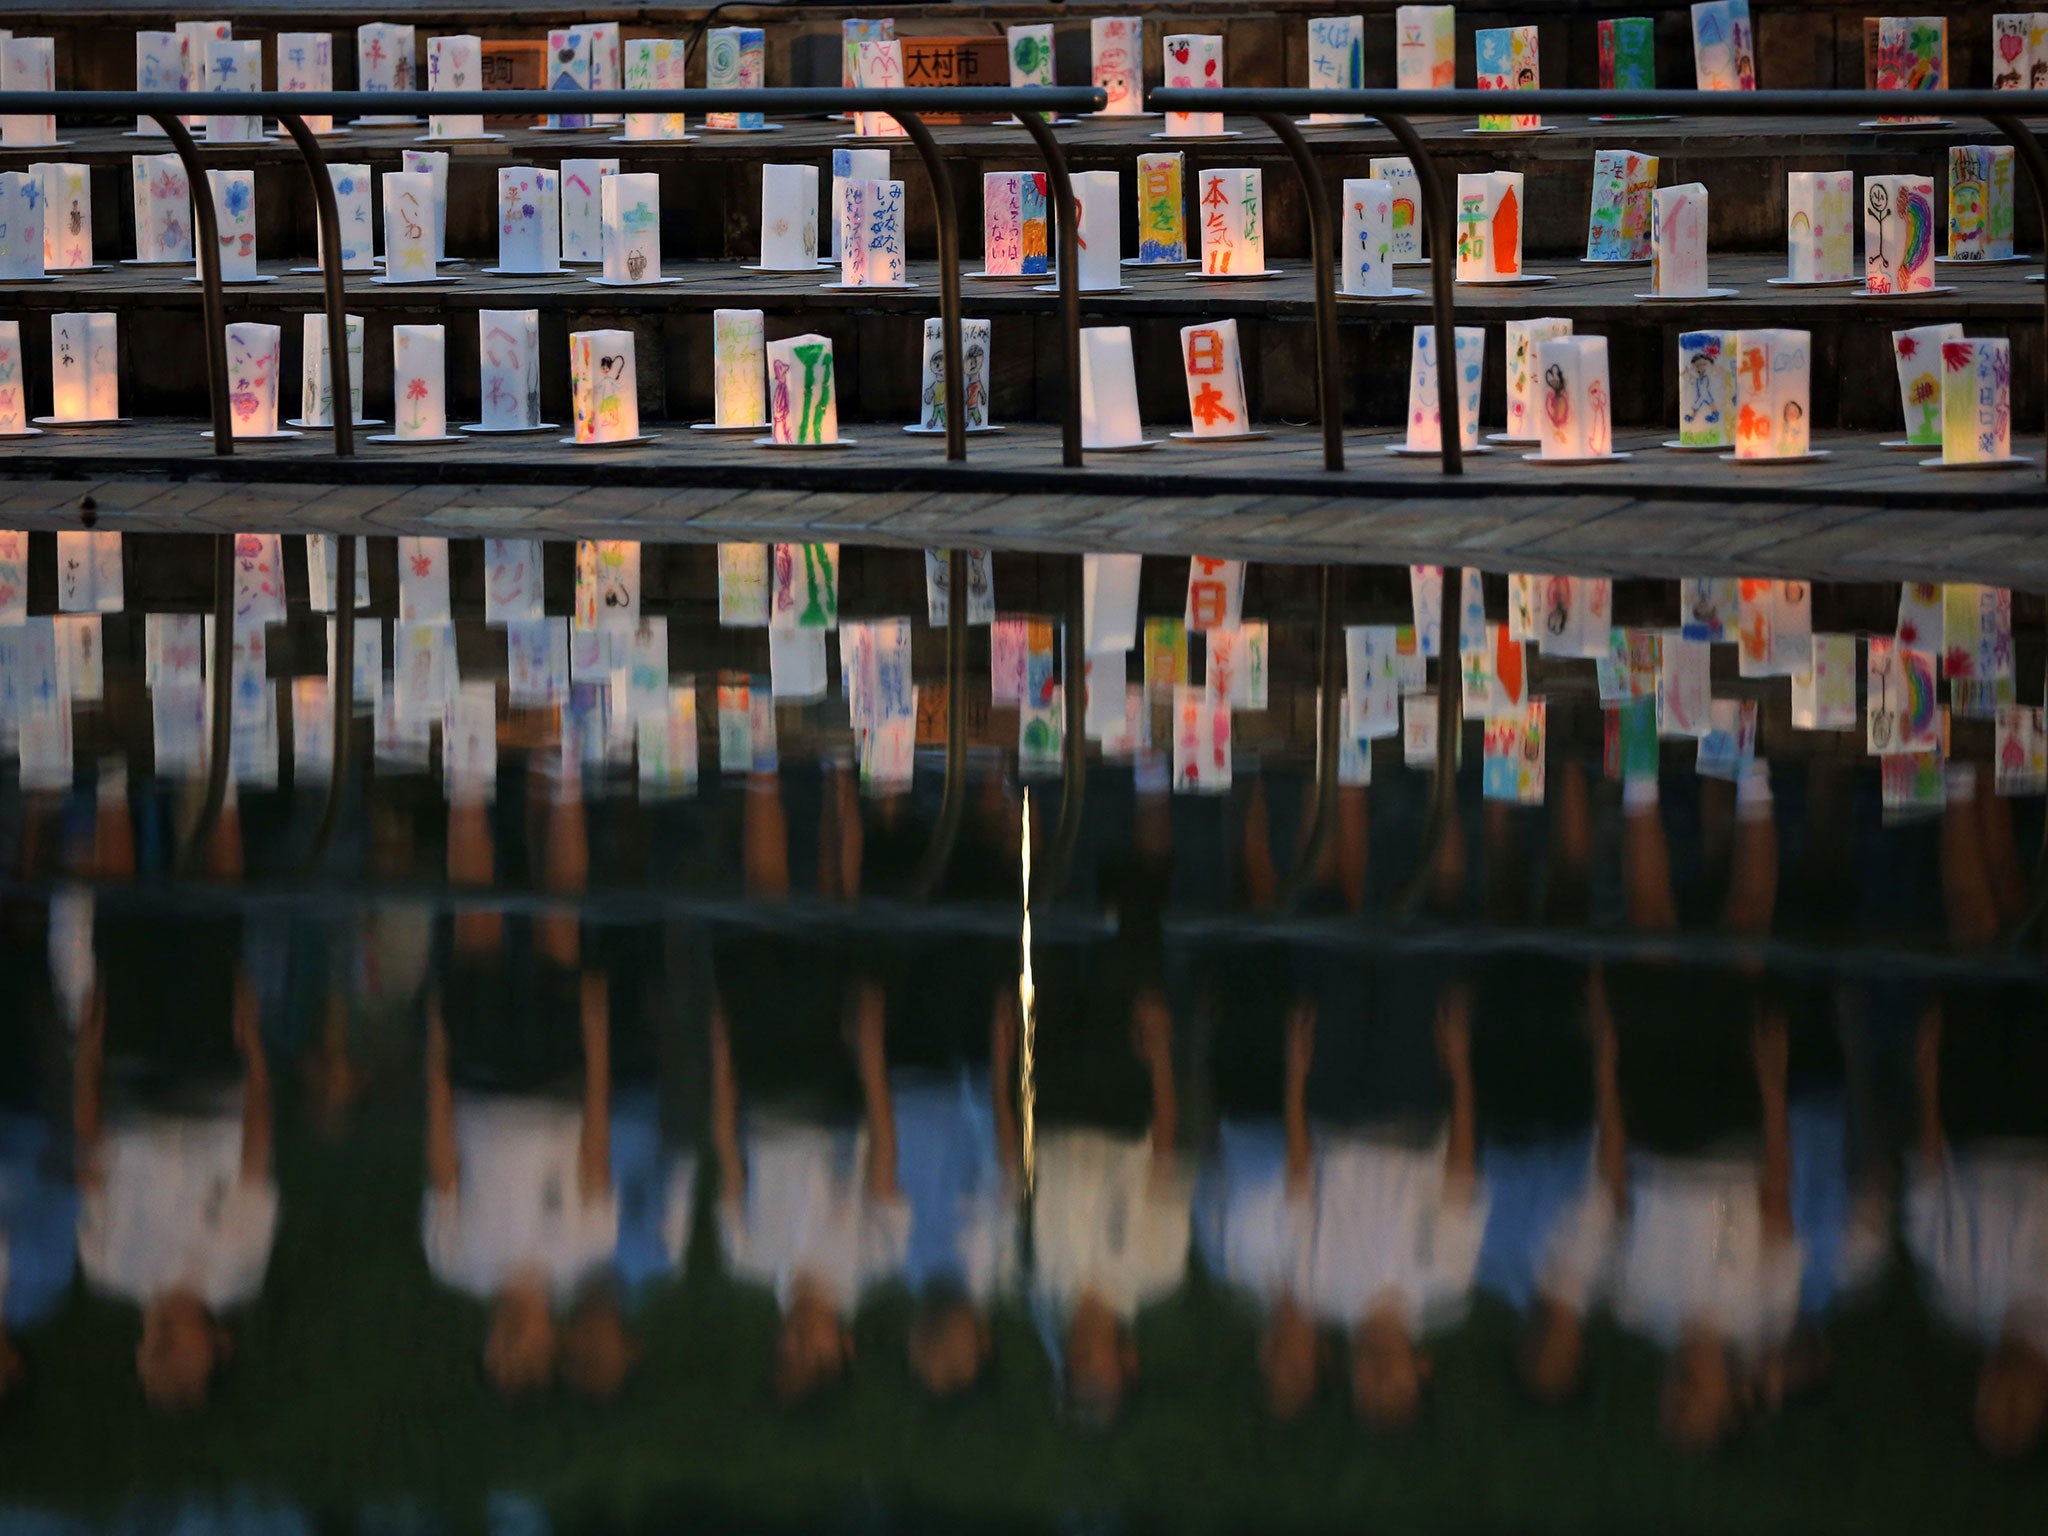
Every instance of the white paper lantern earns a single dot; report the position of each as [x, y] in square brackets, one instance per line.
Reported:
[1524, 381]
[434, 163]
[28, 64]
[1425, 416]
[974, 372]
[1820, 226]
[384, 62]
[583, 209]
[1366, 252]
[1898, 234]
[316, 378]
[163, 210]
[1575, 416]
[1918, 353]
[1193, 63]
[1116, 63]
[305, 62]
[352, 208]
[85, 368]
[1099, 226]
[508, 358]
[739, 368]
[1678, 241]
[1773, 378]
[1109, 389]
[1489, 226]
[233, 68]
[789, 217]
[736, 59]
[455, 64]
[880, 68]
[419, 375]
[803, 394]
[1231, 206]
[254, 352]
[1425, 47]
[159, 66]
[1336, 61]
[656, 64]
[529, 219]
[852, 165]
[13, 383]
[67, 215]
[1214, 365]
[408, 227]
[631, 221]
[234, 213]
[1976, 401]
[871, 239]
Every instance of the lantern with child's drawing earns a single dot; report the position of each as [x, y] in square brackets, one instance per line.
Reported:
[67, 216]
[1231, 206]
[21, 227]
[1336, 61]
[1506, 61]
[657, 64]
[1678, 251]
[1194, 63]
[384, 62]
[1490, 227]
[1116, 63]
[1425, 414]
[736, 59]
[305, 62]
[739, 370]
[974, 354]
[1980, 214]
[434, 163]
[1425, 47]
[159, 66]
[254, 355]
[789, 217]
[1706, 389]
[1162, 210]
[1575, 419]
[1214, 366]
[1366, 250]
[630, 217]
[1524, 391]
[316, 377]
[881, 69]
[1917, 352]
[408, 227]
[583, 210]
[163, 211]
[85, 369]
[233, 68]
[351, 185]
[28, 64]
[1099, 230]
[871, 238]
[1398, 172]
[1976, 402]
[603, 387]
[803, 394]
[234, 216]
[419, 383]
[1773, 378]
[1898, 235]
[454, 64]
[1820, 228]
[529, 219]
[13, 385]
[508, 359]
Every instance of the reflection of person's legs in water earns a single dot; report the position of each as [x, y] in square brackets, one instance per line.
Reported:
[1967, 886]
[764, 837]
[566, 872]
[472, 860]
[1257, 878]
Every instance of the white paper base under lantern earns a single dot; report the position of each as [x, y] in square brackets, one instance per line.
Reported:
[1109, 391]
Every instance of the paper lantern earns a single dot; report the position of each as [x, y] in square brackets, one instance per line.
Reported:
[1099, 227]
[852, 165]
[1627, 47]
[1013, 213]
[736, 59]
[1524, 381]
[1367, 244]
[568, 70]
[159, 66]
[1576, 421]
[1231, 204]
[1031, 63]
[1980, 215]
[1116, 63]
[1489, 226]
[13, 392]
[2014, 56]
[508, 356]
[1425, 47]
[1506, 58]
[21, 226]
[1215, 378]
[660, 64]
[234, 214]
[1912, 55]
[305, 62]
[253, 357]
[871, 239]
[1706, 389]
[1109, 389]
[1772, 385]
[607, 65]
[1723, 51]
[1398, 172]
[1194, 63]
[803, 396]
[1425, 416]
[316, 379]
[854, 31]
[233, 68]
[433, 163]
[974, 370]
[739, 369]
[1336, 61]
[789, 217]
[582, 209]
[419, 381]
[603, 386]
[1918, 353]
[85, 368]
[1162, 210]
[1898, 234]
[881, 69]
[28, 64]
[1618, 227]
[1678, 251]
[453, 65]
[384, 62]
[352, 208]
[67, 216]
[529, 219]
[163, 210]
[630, 217]
[1976, 401]
[408, 227]
[1820, 229]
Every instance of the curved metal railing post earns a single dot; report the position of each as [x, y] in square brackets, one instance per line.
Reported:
[206, 235]
[954, 806]
[1329, 723]
[1437, 215]
[2029, 150]
[1329, 379]
[955, 370]
[1067, 236]
[1450, 721]
[331, 279]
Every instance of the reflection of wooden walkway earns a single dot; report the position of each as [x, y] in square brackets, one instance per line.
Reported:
[1864, 514]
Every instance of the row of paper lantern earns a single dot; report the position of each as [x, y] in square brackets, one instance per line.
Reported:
[590, 212]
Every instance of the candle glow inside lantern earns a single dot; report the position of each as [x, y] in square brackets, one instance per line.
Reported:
[305, 62]
[85, 372]
[739, 368]
[408, 227]
[1232, 206]
[603, 386]
[1522, 338]
[657, 64]
[1917, 351]
[1772, 387]
[1116, 63]
[1109, 389]
[419, 378]
[1976, 401]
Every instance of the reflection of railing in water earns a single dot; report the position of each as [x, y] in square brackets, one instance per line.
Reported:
[890, 918]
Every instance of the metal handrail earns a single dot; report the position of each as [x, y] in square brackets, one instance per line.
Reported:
[1393, 110]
